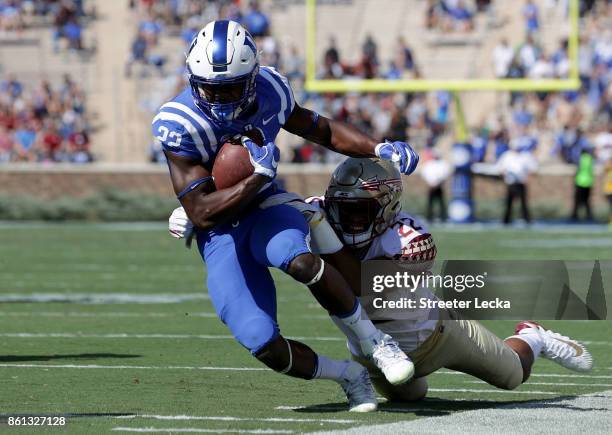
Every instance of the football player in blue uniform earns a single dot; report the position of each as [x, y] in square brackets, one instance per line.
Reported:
[247, 228]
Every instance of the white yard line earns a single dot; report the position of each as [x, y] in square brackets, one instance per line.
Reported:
[129, 314]
[104, 298]
[229, 418]
[250, 369]
[140, 336]
[560, 384]
[102, 315]
[125, 367]
[485, 391]
[345, 408]
[196, 430]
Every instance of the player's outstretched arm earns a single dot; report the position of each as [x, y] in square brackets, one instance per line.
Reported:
[206, 206]
[348, 140]
[335, 135]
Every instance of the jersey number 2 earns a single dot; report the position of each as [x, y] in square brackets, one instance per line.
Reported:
[167, 134]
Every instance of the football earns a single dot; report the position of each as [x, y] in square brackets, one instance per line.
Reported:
[233, 164]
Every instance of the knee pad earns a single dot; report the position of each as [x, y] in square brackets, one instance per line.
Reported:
[255, 333]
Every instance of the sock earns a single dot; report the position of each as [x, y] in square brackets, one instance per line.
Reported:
[330, 369]
[532, 337]
[357, 322]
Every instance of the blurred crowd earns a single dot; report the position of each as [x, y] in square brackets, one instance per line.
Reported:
[42, 122]
[66, 17]
[573, 124]
[453, 15]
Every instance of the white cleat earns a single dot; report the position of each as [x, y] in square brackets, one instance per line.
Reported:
[358, 388]
[386, 354]
[563, 350]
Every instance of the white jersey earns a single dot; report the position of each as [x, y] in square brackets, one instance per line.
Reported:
[408, 241]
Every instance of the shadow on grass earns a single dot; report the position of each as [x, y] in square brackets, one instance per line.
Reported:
[434, 407]
[80, 356]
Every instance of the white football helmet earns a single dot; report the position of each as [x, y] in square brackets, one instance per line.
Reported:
[222, 63]
[362, 199]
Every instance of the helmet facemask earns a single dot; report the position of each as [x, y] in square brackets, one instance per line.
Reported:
[356, 219]
[362, 200]
[224, 99]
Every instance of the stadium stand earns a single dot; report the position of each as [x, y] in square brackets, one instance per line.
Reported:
[122, 80]
[45, 65]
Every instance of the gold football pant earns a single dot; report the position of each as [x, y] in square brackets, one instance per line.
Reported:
[456, 344]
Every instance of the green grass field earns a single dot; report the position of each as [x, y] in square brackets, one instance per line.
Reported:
[127, 339]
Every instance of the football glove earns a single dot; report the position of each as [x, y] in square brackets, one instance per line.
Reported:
[399, 153]
[264, 159]
[179, 225]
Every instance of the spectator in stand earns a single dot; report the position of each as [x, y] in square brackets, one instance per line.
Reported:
[138, 54]
[25, 141]
[560, 60]
[462, 18]
[151, 28]
[73, 33]
[583, 182]
[435, 172]
[501, 138]
[524, 140]
[569, 143]
[11, 86]
[256, 22]
[66, 13]
[6, 144]
[369, 50]
[405, 54]
[294, 65]
[270, 52]
[51, 143]
[515, 167]
[331, 61]
[502, 58]
[528, 54]
[11, 17]
[542, 68]
[531, 16]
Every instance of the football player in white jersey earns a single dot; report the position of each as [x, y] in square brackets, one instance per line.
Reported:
[360, 218]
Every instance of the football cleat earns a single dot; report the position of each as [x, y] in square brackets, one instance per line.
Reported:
[560, 349]
[358, 388]
[386, 354]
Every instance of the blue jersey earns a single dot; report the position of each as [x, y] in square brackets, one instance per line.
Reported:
[184, 129]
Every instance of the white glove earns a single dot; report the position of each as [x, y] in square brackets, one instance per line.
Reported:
[179, 225]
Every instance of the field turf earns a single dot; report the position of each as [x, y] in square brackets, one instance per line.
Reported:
[109, 325]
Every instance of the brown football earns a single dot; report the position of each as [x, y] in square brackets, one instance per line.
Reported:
[231, 166]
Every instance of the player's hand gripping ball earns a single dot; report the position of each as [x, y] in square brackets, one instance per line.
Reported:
[242, 157]
[264, 159]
